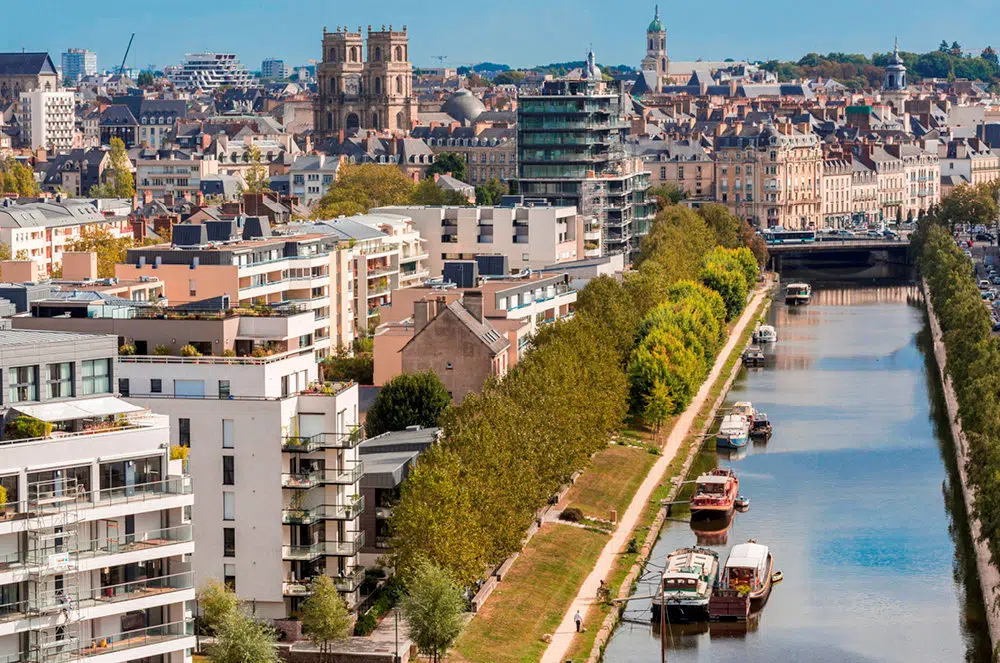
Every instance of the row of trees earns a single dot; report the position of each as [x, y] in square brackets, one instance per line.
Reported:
[467, 503]
[361, 187]
[973, 354]
[18, 178]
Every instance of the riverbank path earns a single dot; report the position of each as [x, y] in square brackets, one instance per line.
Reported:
[563, 637]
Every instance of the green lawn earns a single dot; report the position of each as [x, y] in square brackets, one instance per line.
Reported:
[610, 481]
[532, 599]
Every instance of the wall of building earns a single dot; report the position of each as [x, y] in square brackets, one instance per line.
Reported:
[209, 280]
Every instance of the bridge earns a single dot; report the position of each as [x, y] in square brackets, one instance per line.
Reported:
[857, 257]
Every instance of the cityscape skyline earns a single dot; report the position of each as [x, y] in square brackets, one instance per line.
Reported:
[614, 31]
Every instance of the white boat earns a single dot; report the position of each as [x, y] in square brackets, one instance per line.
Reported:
[687, 584]
[749, 569]
[797, 294]
[765, 334]
[733, 432]
[744, 409]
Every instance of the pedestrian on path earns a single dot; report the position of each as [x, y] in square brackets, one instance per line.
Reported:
[578, 618]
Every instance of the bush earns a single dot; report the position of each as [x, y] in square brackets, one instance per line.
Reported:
[126, 350]
[162, 350]
[229, 352]
[365, 625]
[25, 427]
[571, 515]
[179, 452]
[189, 351]
[406, 400]
[360, 368]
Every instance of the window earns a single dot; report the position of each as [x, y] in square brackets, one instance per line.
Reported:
[227, 433]
[228, 505]
[155, 386]
[96, 376]
[23, 384]
[228, 470]
[123, 388]
[229, 576]
[192, 288]
[229, 542]
[60, 381]
[224, 392]
[184, 432]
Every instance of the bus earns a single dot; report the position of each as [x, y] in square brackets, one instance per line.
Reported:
[773, 236]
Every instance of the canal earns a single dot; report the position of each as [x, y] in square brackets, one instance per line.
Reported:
[855, 493]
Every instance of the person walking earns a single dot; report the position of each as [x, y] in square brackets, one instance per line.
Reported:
[578, 618]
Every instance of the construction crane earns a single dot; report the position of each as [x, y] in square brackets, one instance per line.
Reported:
[127, 49]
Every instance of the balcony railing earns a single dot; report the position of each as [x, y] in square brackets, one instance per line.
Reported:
[347, 548]
[341, 477]
[347, 583]
[70, 649]
[124, 543]
[300, 444]
[126, 591]
[59, 498]
[293, 516]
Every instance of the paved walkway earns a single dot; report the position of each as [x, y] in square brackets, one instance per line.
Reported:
[563, 637]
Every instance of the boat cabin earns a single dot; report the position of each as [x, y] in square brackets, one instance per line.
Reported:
[710, 485]
[747, 566]
[681, 582]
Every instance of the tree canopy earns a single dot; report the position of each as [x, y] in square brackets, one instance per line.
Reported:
[118, 181]
[256, 177]
[216, 603]
[433, 607]
[325, 616]
[359, 188]
[449, 162]
[406, 400]
[17, 178]
[491, 192]
[428, 192]
[242, 639]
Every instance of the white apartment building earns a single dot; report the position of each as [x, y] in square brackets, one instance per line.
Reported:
[208, 72]
[837, 196]
[274, 458]
[311, 175]
[41, 231]
[922, 177]
[531, 237]
[171, 171]
[95, 534]
[48, 119]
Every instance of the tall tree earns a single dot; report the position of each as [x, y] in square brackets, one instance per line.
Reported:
[325, 617]
[256, 177]
[216, 603]
[490, 193]
[667, 194]
[433, 609]
[110, 250]
[118, 180]
[406, 400]
[242, 639]
[361, 187]
[145, 79]
[449, 162]
[17, 178]
[428, 192]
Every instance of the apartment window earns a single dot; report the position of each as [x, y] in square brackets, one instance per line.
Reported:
[96, 376]
[155, 386]
[184, 432]
[229, 576]
[192, 288]
[663, 172]
[228, 470]
[23, 384]
[229, 542]
[228, 505]
[224, 392]
[60, 380]
[227, 433]
[123, 388]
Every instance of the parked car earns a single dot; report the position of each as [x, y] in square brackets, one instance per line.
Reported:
[984, 284]
[874, 234]
[985, 237]
[889, 234]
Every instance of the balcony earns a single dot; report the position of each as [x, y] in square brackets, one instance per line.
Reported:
[299, 516]
[329, 476]
[63, 651]
[298, 444]
[127, 591]
[347, 583]
[347, 548]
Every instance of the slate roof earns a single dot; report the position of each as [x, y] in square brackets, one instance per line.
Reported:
[26, 64]
[484, 331]
[117, 116]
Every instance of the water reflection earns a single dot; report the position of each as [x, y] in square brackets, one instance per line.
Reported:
[851, 494]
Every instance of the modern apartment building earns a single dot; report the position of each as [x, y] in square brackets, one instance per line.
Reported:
[273, 454]
[273, 69]
[241, 259]
[530, 236]
[208, 72]
[48, 119]
[175, 172]
[571, 152]
[78, 63]
[95, 533]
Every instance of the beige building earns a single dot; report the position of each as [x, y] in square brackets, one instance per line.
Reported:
[26, 72]
[489, 152]
[922, 174]
[365, 84]
[681, 163]
[890, 177]
[864, 192]
[969, 158]
[837, 195]
[771, 176]
[174, 172]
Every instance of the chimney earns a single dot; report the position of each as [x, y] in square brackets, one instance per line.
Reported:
[147, 197]
[79, 265]
[472, 300]
[340, 136]
[168, 198]
[424, 310]
[200, 198]
[206, 142]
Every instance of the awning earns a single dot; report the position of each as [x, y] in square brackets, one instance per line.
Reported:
[89, 408]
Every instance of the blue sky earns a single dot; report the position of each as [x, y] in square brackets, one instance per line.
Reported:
[518, 32]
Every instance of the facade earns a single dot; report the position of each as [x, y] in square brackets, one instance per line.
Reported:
[890, 179]
[26, 72]
[489, 152]
[303, 272]
[571, 152]
[837, 196]
[96, 534]
[273, 69]
[78, 63]
[656, 61]
[365, 83]
[209, 71]
[531, 237]
[48, 119]
[684, 164]
[864, 192]
[969, 158]
[310, 177]
[273, 455]
[771, 177]
[171, 172]
[922, 175]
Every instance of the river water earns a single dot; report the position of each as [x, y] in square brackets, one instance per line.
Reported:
[854, 493]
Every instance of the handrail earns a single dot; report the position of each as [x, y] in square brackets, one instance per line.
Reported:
[170, 359]
[117, 641]
[325, 476]
[55, 500]
[124, 591]
[323, 441]
[304, 516]
[60, 435]
[112, 546]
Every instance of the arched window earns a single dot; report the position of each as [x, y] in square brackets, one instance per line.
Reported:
[333, 55]
[663, 65]
[399, 83]
[651, 47]
[400, 121]
[378, 53]
[354, 53]
[334, 88]
[378, 85]
[375, 120]
[399, 53]
[329, 121]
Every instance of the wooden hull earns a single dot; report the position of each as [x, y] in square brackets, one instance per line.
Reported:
[714, 512]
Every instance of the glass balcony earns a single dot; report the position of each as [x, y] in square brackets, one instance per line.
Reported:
[294, 516]
[62, 651]
[299, 444]
[137, 589]
[347, 583]
[346, 548]
[57, 497]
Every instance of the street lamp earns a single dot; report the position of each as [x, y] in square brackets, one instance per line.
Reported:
[395, 612]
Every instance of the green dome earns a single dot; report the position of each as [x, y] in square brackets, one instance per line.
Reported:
[655, 26]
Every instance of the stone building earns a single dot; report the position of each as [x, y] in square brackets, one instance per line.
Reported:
[365, 84]
[26, 72]
[656, 62]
